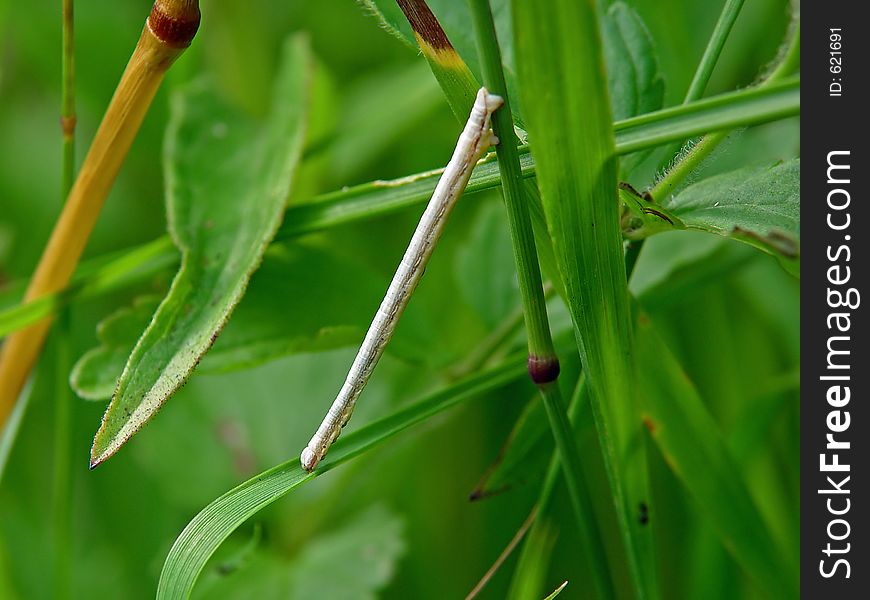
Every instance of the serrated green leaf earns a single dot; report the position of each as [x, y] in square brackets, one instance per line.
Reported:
[327, 296]
[301, 299]
[636, 84]
[228, 180]
[696, 452]
[758, 205]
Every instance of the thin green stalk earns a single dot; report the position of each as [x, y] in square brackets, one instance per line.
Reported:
[691, 159]
[500, 337]
[711, 55]
[61, 480]
[714, 49]
[61, 483]
[68, 99]
[543, 363]
[545, 497]
[704, 71]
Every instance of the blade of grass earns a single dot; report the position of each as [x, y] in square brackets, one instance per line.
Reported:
[696, 452]
[205, 533]
[567, 110]
[543, 363]
[450, 70]
[379, 198]
[168, 30]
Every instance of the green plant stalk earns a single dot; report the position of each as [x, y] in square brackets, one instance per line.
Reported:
[690, 161]
[379, 198]
[61, 479]
[575, 414]
[68, 100]
[711, 55]
[61, 482]
[545, 496]
[714, 49]
[567, 110]
[543, 363]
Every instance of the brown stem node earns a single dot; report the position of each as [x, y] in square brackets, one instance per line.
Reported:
[174, 22]
[543, 369]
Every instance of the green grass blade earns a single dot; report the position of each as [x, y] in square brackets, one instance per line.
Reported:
[697, 453]
[228, 181]
[205, 533]
[718, 113]
[564, 89]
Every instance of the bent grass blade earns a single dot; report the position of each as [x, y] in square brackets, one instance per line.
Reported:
[474, 141]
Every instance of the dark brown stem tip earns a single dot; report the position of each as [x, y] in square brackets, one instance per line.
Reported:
[425, 24]
[174, 22]
[543, 369]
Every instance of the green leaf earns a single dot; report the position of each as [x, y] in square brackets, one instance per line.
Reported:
[696, 452]
[205, 533]
[96, 373]
[327, 295]
[757, 205]
[569, 123]
[228, 180]
[633, 76]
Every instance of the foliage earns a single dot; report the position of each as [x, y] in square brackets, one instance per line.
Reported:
[292, 181]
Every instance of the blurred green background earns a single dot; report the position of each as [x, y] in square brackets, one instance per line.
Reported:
[395, 523]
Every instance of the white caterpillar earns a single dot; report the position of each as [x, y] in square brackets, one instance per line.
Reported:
[474, 141]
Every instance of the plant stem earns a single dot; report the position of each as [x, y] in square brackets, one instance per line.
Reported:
[518, 537]
[543, 363]
[61, 484]
[545, 496]
[68, 99]
[691, 159]
[168, 31]
[714, 49]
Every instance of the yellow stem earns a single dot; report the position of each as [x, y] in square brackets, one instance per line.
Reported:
[168, 31]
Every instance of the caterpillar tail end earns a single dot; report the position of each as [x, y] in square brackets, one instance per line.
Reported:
[309, 459]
